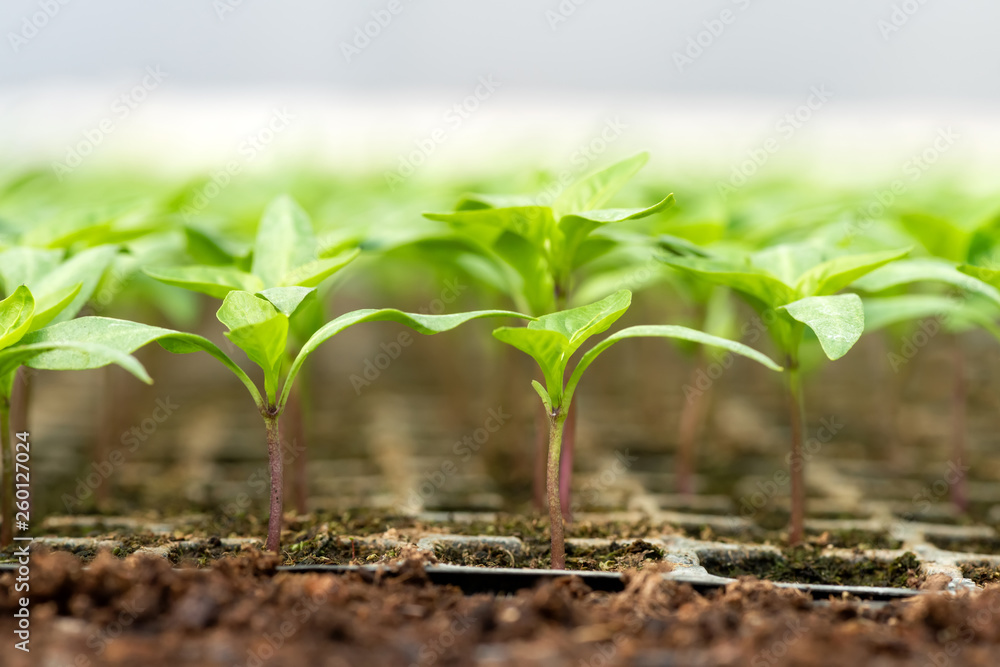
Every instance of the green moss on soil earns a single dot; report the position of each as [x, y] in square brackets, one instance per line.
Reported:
[807, 565]
[978, 545]
[615, 557]
[984, 574]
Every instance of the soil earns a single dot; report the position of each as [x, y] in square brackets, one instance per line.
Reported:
[241, 612]
[982, 545]
[984, 574]
[613, 558]
[808, 565]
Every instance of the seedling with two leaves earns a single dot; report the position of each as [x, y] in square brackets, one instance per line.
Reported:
[552, 340]
[535, 246]
[794, 287]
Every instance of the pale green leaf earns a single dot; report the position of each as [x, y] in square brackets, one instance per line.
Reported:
[285, 241]
[662, 331]
[260, 330]
[287, 299]
[123, 337]
[838, 321]
[313, 273]
[596, 189]
[215, 281]
[16, 313]
[837, 273]
[909, 271]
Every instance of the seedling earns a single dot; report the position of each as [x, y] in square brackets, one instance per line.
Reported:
[537, 244]
[551, 341]
[258, 325]
[20, 315]
[793, 287]
[285, 255]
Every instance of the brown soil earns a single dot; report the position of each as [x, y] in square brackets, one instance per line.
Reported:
[976, 545]
[142, 612]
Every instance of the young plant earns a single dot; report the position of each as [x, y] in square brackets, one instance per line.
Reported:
[552, 340]
[285, 254]
[538, 243]
[259, 325]
[20, 315]
[794, 287]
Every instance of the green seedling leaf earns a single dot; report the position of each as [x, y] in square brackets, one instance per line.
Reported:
[577, 226]
[260, 330]
[576, 325]
[835, 274]
[81, 355]
[754, 282]
[663, 331]
[82, 271]
[16, 313]
[51, 306]
[939, 237]
[534, 224]
[206, 250]
[838, 321]
[543, 394]
[908, 271]
[287, 299]
[423, 324]
[215, 281]
[26, 266]
[595, 190]
[285, 241]
[313, 273]
[886, 311]
[549, 349]
[122, 337]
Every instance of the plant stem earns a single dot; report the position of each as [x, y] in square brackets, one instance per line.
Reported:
[556, 528]
[959, 496]
[277, 488]
[7, 452]
[796, 407]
